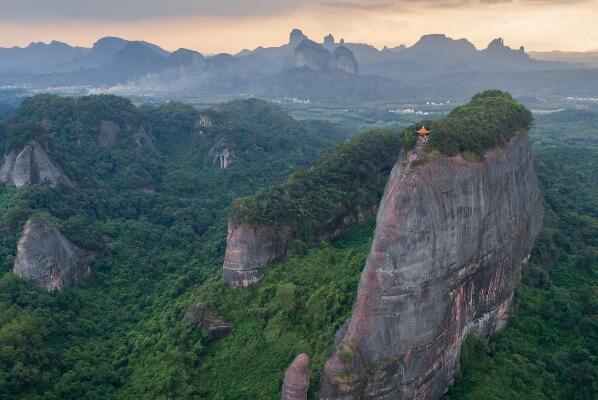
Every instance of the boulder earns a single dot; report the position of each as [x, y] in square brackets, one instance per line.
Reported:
[47, 258]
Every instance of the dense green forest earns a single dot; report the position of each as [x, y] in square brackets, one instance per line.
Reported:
[490, 119]
[155, 221]
[340, 184]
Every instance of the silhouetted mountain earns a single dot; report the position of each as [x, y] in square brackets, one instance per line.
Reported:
[438, 65]
[40, 57]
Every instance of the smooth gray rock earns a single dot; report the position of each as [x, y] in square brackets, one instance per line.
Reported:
[47, 258]
[31, 165]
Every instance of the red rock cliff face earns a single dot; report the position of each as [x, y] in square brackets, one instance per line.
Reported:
[450, 241]
[249, 249]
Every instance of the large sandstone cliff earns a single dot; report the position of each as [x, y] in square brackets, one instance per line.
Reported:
[251, 248]
[47, 258]
[450, 242]
[31, 165]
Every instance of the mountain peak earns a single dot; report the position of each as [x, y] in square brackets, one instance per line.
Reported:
[329, 42]
[296, 36]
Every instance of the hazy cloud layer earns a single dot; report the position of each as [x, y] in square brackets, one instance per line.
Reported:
[117, 10]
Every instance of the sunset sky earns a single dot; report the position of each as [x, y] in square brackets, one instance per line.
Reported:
[212, 26]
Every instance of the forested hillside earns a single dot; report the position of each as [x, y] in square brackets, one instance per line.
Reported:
[154, 219]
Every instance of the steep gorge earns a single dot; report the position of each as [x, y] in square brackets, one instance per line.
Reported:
[450, 241]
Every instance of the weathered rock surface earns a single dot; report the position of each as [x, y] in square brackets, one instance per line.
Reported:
[249, 249]
[450, 242]
[31, 165]
[313, 55]
[296, 379]
[205, 318]
[344, 60]
[319, 58]
[47, 258]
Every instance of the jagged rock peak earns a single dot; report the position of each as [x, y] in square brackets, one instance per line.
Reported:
[296, 37]
[450, 242]
[329, 42]
[498, 46]
[344, 60]
[205, 318]
[47, 258]
[31, 165]
[296, 379]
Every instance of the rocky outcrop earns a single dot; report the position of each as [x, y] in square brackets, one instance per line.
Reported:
[344, 60]
[31, 165]
[205, 318]
[329, 42]
[296, 379]
[47, 258]
[314, 56]
[296, 36]
[450, 242]
[318, 58]
[221, 153]
[249, 248]
[143, 140]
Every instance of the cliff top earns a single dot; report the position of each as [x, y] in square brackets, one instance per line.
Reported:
[351, 175]
[489, 120]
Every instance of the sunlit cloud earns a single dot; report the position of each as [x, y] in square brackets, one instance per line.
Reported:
[213, 26]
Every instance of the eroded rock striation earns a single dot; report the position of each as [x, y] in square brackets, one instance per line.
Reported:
[296, 379]
[31, 165]
[47, 258]
[450, 242]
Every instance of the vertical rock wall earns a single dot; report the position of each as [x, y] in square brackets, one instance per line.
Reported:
[450, 241]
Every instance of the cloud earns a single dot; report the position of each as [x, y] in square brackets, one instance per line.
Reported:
[15, 10]
[124, 10]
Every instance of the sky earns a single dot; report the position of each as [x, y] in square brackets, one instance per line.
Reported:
[213, 26]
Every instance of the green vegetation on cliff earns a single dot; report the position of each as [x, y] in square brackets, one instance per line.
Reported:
[342, 182]
[490, 119]
[121, 334]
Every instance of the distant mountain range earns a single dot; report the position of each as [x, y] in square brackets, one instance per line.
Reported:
[329, 71]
